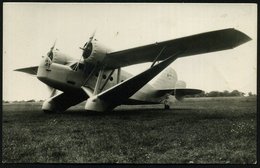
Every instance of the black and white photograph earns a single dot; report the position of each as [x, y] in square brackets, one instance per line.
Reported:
[129, 83]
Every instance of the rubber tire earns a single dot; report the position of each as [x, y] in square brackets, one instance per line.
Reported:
[166, 107]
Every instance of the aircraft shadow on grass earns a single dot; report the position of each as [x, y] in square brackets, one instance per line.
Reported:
[134, 112]
[181, 113]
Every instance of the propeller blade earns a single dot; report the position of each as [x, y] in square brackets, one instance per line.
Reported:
[85, 46]
[50, 53]
[53, 45]
[90, 39]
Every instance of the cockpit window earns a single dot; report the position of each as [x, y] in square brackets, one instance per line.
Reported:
[87, 51]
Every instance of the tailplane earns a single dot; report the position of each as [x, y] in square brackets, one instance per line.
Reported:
[167, 83]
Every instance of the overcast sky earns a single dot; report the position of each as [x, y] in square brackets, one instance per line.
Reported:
[29, 30]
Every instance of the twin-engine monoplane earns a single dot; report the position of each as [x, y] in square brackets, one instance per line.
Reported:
[97, 77]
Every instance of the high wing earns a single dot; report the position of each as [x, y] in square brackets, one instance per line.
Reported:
[190, 45]
[29, 70]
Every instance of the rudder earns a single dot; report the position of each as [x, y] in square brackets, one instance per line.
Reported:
[166, 79]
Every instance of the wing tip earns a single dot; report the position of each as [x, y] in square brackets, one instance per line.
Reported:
[240, 37]
[18, 70]
[28, 70]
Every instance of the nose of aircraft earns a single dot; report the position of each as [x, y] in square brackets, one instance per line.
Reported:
[44, 66]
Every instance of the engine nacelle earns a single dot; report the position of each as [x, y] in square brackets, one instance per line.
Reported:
[51, 106]
[95, 52]
[60, 58]
[63, 101]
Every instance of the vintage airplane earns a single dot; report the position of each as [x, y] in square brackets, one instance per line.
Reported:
[99, 80]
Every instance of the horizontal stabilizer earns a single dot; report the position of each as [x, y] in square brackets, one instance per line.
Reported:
[181, 93]
[178, 92]
[29, 70]
[184, 92]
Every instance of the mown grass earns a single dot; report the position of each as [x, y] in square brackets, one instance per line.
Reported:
[221, 130]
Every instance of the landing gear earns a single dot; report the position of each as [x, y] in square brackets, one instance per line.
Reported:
[166, 103]
[166, 106]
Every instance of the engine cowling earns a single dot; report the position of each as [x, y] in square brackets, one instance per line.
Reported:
[63, 101]
[60, 58]
[95, 52]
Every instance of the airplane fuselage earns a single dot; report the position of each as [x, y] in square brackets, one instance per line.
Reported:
[65, 78]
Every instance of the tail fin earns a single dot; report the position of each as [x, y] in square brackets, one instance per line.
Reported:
[166, 79]
[180, 84]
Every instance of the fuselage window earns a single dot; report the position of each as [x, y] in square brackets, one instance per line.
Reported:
[111, 78]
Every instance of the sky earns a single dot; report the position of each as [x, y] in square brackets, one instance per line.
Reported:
[30, 29]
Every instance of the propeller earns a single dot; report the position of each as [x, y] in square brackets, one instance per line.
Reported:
[84, 47]
[90, 40]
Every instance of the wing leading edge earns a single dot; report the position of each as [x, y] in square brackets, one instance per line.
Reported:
[190, 45]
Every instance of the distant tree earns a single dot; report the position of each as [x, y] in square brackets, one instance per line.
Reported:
[250, 94]
[236, 93]
[242, 94]
[202, 94]
[225, 93]
[213, 94]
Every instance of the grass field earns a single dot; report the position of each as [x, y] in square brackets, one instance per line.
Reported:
[202, 130]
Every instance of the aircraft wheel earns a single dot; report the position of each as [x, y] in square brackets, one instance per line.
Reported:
[166, 107]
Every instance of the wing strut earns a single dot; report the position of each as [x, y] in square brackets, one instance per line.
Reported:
[91, 73]
[158, 56]
[98, 83]
[118, 75]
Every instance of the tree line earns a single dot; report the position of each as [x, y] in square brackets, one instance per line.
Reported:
[225, 93]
